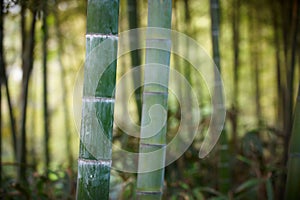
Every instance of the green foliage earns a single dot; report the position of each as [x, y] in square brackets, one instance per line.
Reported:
[252, 145]
[58, 185]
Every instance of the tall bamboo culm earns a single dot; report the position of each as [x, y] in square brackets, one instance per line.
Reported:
[45, 87]
[133, 22]
[292, 190]
[94, 161]
[150, 183]
[224, 172]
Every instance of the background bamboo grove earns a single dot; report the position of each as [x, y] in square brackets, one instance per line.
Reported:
[255, 45]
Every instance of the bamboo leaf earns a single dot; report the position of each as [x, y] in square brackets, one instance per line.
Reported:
[244, 159]
[248, 185]
[212, 191]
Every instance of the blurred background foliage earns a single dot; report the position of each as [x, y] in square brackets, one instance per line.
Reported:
[259, 53]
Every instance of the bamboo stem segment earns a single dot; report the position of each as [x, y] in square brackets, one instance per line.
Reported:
[223, 166]
[293, 182]
[98, 100]
[155, 98]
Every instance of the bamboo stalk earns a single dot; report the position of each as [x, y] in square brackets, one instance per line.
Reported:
[235, 43]
[132, 7]
[1, 70]
[293, 182]
[150, 184]
[215, 20]
[223, 165]
[0, 133]
[224, 173]
[45, 87]
[98, 100]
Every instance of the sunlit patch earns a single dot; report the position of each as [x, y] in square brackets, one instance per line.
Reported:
[16, 74]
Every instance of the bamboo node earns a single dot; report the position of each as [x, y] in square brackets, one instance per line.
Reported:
[105, 162]
[102, 36]
[98, 99]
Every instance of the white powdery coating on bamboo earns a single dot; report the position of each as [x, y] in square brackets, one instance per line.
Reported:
[94, 162]
[86, 164]
[98, 99]
[92, 36]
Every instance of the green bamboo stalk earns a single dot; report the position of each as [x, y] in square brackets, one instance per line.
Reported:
[292, 190]
[150, 184]
[235, 43]
[132, 7]
[224, 172]
[0, 135]
[1, 70]
[215, 21]
[98, 100]
[45, 87]
[223, 166]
